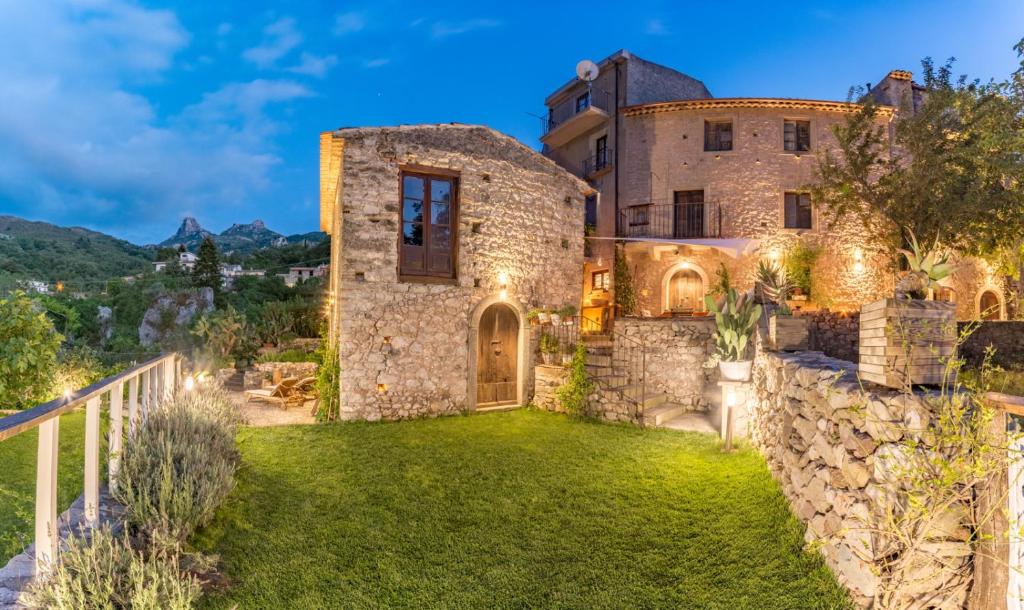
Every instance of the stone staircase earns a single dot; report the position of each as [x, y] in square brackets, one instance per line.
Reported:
[236, 382]
[619, 387]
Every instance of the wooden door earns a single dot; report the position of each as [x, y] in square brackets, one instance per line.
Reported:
[497, 356]
[686, 292]
[688, 214]
[989, 306]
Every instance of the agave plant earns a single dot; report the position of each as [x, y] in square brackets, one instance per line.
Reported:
[926, 267]
[735, 321]
[775, 285]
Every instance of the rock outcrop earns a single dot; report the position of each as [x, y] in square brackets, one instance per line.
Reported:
[171, 313]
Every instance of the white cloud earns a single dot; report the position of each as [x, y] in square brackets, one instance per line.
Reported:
[79, 144]
[279, 39]
[444, 29]
[656, 27]
[348, 23]
[376, 62]
[314, 65]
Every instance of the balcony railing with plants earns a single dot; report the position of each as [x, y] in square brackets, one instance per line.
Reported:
[597, 162]
[576, 104]
[671, 221]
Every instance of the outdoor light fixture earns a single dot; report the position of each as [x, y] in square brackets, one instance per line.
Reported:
[773, 254]
[67, 393]
[858, 260]
[503, 285]
[190, 383]
[382, 388]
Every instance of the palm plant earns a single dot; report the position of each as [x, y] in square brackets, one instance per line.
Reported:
[735, 323]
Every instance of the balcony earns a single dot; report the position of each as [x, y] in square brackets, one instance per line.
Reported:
[597, 163]
[576, 116]
[671, 221]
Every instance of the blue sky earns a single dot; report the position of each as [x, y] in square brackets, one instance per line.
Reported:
[125, 116]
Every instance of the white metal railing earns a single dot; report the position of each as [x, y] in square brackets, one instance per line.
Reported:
[157, 380]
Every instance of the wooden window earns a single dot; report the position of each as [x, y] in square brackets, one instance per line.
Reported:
[798, 211]
[601, 153]
[429, 210]
[796, 136]
[582, 102]
[590, 211]
[599, 280]
[717, 135]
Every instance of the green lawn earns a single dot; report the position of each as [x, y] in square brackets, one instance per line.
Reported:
[18, 480]
[507, 510]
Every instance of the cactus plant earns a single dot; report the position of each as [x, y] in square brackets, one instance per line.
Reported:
[775, 285]
[735, 322]
[926, 268]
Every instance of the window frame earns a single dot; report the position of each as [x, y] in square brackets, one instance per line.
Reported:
[811, 216]
[585, 98]
[810, 138]
[605, 284]
[732, 134]
[601, 152]
[429, 174]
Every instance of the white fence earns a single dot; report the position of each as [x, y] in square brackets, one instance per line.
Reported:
[139, 388]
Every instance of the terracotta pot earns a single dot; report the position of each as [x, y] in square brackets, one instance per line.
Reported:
[735, 371]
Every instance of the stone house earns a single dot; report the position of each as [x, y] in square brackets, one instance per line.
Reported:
[691, 184]
[442, 238]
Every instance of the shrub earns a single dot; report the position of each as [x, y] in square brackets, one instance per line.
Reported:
[289, 355]
[179, 466]
[328, 381]
[105, 572]
[577, 387]
[28, 352]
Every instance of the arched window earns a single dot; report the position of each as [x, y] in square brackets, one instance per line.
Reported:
[686, 292]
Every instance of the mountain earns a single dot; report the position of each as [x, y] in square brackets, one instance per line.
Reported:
[238, 238]
[42, 251]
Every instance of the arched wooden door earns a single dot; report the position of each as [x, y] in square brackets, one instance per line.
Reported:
[686, 291]
[989, 306]
[497, 356]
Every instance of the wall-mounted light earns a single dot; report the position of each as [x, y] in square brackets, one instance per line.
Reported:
[684, 265]
[858, 260]
[382, 388]
[503, 285]
[773, 254]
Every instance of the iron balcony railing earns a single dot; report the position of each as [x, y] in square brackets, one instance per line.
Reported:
[575, 104]
[597, 162]
[671, 221]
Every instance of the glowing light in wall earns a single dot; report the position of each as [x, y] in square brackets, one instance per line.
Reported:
[773, 254]
[503, 285]
[382, 388]
[858, 260]
[190, 384]
[684, 265]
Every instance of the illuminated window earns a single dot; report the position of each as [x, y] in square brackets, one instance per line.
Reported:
[599, 280]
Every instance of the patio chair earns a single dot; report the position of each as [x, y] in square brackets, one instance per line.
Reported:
[279, 394]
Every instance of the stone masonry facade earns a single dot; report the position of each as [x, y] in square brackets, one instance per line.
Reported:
[405, 346]
[835, 448]
[676, 352]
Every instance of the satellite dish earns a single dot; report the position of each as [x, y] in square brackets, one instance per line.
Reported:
[587, 70]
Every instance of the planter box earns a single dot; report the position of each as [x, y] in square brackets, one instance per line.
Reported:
[905, 340]
[787, 333]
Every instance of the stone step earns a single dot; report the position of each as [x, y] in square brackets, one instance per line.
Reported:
[599, 359]
[654, 399]
[692, 421]
[660, 414]
[596, 338]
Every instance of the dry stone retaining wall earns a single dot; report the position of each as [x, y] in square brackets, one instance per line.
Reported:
[836, 333]
[676, 351]
[547, 379]
[833, 447]
[1007, 337]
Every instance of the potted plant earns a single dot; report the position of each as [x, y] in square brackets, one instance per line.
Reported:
[533, 316]
[904, 340]
[785, 331]
[548, 347]
[735, 322]
[567, 312]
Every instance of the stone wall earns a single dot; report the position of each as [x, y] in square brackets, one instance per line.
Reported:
[676, 349]
[835, 333]
[547, 379]
[405, 345]
[833, 447]
[1007, 337]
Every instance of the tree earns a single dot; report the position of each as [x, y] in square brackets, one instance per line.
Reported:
[207, 270]
[28, 352]
[951, 169]
[625, 296]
